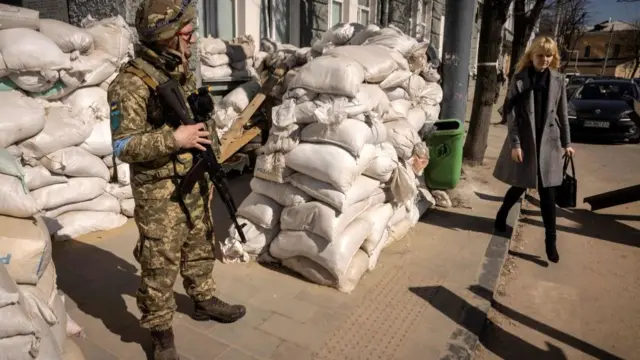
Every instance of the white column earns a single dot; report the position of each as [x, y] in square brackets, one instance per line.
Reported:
[350, 10]
[248, 18]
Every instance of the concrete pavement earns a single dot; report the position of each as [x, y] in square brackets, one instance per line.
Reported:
[413, 305]
[586, 306]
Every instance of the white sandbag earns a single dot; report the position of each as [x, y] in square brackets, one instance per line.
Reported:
[75, 190]
[362, 189]
[398, 110]
[59, 329]
[212, 73]
[49, 307]
[272, 167]
[240, 97]
[416, 118]
[75, 161]
[108, 161]
[258, 238]
[260, 210]
[124, 174]
[69, 38]
[378, 217]
[49, 278]
[39, 176]
[392, 39]
[319, 275]
[375, 60]
[22, 117]
[383, 164]
[112, 36]
[403, 185]
[396, 93]
[211, 45]
[376, 251]
[362, 35]
[334, 109]
[127, 207]
[15, 200]
[334, 256]
[224, 118]
[104, 202]
[3, 73]
[403, 137]
[99, 142]
[93, 98]
[14, 320]
[330, 75]
[62, 129]
[14, 151]
[399, 78]
[9, 165]
[59, 90]
[351, 135]
[77, 223]
[29, 50]
[374, 97]
[304, 112]
[35, 81]
[283, 194]
[329, 163]
[338, 35]
[322, 220]
[25, 248]
[432, 112]
[121, 192]
[92, 69]
[214, 60]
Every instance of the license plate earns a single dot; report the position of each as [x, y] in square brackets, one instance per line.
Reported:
[596, 124]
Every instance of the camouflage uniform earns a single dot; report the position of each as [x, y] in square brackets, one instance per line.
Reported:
[176, 231]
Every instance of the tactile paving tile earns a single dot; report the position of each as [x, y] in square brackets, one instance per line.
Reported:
[378, 328]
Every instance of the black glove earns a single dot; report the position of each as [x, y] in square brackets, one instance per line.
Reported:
[200, 102]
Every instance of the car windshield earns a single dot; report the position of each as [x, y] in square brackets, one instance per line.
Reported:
[604, 91]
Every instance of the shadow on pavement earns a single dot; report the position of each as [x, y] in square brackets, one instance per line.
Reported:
[456, 220]
[598, 226]
[545, 329]
[502, 343]
[98, 281]
[528, 257]
[488, 197]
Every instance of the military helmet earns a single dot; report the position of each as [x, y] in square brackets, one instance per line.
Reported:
[158, 20]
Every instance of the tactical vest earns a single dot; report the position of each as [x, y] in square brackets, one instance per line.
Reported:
[176, 165]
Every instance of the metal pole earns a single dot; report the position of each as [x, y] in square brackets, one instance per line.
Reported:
[456, 54]
[606, 56]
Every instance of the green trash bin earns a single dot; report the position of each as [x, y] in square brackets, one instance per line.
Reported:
[445, 155]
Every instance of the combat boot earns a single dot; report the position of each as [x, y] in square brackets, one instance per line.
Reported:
[218, 310]
[163, 345]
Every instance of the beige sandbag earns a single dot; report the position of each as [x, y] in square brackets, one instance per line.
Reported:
[127, 207]
[77, 189]
[69, 38]
[15, 199]
[76, 223]
[362, 189]
[330, 75]
[351, 135]
[39, 176]
[283, 194]
[29, 50]
[75, 161]
[25, 248]
[104, 202]
[22, 117]
[383, 164]
[260, 210]
[378, 217]
[319, 275]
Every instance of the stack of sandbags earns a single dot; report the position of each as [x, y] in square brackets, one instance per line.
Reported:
[235, 59]
[344, 158]
[25, 252]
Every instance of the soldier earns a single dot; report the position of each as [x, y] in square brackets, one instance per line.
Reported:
[176, 231]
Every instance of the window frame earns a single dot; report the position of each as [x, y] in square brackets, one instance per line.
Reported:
[368, 9]
[330, 22]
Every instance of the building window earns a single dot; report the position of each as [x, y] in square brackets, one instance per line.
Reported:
[220, 18]
[335, 16]
[587, 51]
[423, 28]
[616, 50]
[364, 11]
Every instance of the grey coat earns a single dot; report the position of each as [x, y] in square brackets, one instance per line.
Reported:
[521, 133]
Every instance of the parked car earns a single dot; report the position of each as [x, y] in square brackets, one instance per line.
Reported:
[605, 109]
[576, 82]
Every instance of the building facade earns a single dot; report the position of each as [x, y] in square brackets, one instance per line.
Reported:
[607, 48]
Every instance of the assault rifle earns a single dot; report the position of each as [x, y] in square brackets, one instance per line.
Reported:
[205, 162]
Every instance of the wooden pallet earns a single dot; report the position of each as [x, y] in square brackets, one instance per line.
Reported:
[244, 129]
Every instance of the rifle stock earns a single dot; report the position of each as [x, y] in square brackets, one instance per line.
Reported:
[206, 160]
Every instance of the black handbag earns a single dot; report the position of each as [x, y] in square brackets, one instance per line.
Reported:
[567, 192]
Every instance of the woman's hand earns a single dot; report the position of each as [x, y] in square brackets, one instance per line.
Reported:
[516, 155]
[569, 152]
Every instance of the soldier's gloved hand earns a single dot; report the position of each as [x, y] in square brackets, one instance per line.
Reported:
[192, 136]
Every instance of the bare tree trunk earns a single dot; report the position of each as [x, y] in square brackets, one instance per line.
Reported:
[494, 15]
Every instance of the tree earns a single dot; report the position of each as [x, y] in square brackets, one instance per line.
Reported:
[630, 41]
[523, 24]
[494, 16]
[571, 17]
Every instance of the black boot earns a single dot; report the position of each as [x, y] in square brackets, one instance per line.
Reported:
[218, 310]
[501, 221]
[163, 345]
[550, 246]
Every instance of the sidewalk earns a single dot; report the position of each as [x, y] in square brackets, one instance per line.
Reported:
[418, 303]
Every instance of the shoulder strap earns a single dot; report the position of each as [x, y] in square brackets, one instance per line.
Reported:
[147, 73]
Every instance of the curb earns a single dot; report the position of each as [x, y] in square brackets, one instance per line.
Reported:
[465, 338]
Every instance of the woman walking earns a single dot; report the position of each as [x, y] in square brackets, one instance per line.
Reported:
[538, 136]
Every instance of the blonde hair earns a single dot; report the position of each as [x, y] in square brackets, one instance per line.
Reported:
[541, 44]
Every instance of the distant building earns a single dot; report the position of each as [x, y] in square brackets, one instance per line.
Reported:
[606, 48]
